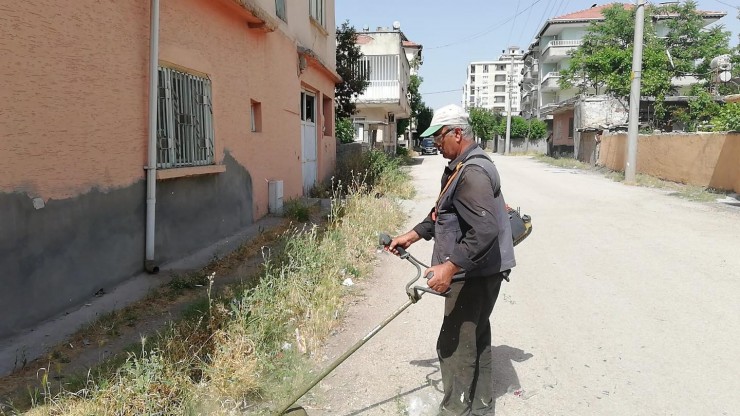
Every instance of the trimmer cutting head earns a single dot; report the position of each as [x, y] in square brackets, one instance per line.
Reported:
[296, 411]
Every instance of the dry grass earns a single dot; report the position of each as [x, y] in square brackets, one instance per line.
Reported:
[690, 192]
[251, 347]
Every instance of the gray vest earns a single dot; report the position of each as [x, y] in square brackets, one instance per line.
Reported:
[447, 232]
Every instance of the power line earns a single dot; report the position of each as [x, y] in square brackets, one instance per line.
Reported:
[728, 5]
[441, 92]
[493, 27]
[513, 22]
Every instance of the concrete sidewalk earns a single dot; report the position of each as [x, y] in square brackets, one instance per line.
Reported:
[33, 343]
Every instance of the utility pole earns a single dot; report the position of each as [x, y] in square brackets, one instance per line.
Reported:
[634, 115]
[508, 106]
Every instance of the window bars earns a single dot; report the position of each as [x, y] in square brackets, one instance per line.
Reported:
[184, 120]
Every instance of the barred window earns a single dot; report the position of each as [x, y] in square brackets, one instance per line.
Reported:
[280, 10]
[316, 10]
[184, 120]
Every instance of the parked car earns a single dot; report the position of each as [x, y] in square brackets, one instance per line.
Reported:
[428, 147]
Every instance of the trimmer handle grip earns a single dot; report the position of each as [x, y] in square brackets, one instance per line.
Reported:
[430, 290]
[385, 241]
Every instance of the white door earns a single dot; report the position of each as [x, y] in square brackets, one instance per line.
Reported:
[308, 140]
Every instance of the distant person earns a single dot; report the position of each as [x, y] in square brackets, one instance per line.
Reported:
[473, 244]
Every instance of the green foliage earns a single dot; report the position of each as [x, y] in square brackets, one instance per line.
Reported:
[415, 102]
[402, 151]
[345, 131]
[354, 81]
[424, 119]
[484, 122]
[728, 118]
[604, 60]
[297, 210]
[533, 129]
[537, 129]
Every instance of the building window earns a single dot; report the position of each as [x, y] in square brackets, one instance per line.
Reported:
[184, 120]
[501, 67]
[472, 78]
[499, 78]
[472, 69]
[256, 116]
[328, 112]
[316, 9]
[499, 99]
[280, 10]
[571, 127]
[499, 88]
[485, 69]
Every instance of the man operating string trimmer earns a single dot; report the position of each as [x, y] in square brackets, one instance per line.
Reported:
[472, 243]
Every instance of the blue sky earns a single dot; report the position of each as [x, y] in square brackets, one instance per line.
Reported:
[457, 32]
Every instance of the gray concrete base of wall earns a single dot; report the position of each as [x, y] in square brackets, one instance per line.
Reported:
[33, 343]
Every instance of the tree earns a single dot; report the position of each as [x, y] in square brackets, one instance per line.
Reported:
[537, 129]
[533, 129]
[604, 59]
[415, 102]
[484, 122]
[354, 81]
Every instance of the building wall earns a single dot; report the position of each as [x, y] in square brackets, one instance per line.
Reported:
[74, 99]
[704, 159]
[561, 134]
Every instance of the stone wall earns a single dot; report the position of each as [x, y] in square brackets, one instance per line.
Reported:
[704, 159]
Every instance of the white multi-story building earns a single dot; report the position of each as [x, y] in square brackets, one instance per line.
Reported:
[488, 83]
[389, 60]
[548, 54]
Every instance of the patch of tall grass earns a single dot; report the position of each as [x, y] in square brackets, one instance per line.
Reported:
[251, 347]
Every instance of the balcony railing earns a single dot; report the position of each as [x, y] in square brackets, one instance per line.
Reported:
[550, 81]
[557, 50]
[385, 78]
[570, 42]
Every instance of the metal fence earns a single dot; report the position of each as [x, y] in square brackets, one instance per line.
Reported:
[184, 120]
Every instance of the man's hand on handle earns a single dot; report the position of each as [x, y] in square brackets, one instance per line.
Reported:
[442, 275]
[403, 241]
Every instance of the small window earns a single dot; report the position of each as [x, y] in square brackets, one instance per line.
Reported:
[499, 78]
[499, 88]
[485, 69]
[184, 120]
[316, 10]
[256, 116]
[328, 112]
[571, 127]
[280, 10]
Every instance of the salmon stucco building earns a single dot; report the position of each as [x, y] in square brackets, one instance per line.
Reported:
[136, 133]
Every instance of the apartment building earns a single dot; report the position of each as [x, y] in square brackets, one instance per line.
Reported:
[390, 59]
[488, 83]
[548, 54]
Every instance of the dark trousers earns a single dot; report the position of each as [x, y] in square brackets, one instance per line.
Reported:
[464, 347]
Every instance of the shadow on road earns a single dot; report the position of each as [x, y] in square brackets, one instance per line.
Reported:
[505, 378]
[434, 382]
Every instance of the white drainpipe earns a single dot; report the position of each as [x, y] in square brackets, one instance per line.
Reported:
[151, 169]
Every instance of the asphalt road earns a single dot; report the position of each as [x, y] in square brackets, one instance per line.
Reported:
[624, 302]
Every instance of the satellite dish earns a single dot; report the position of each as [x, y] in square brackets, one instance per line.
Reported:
[725, 76]
[397, 25]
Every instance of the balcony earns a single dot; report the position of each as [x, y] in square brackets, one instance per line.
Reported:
[388, 77]
[557, 50]
[550, 82]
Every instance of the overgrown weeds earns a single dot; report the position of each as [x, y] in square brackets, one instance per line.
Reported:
[251, 346]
